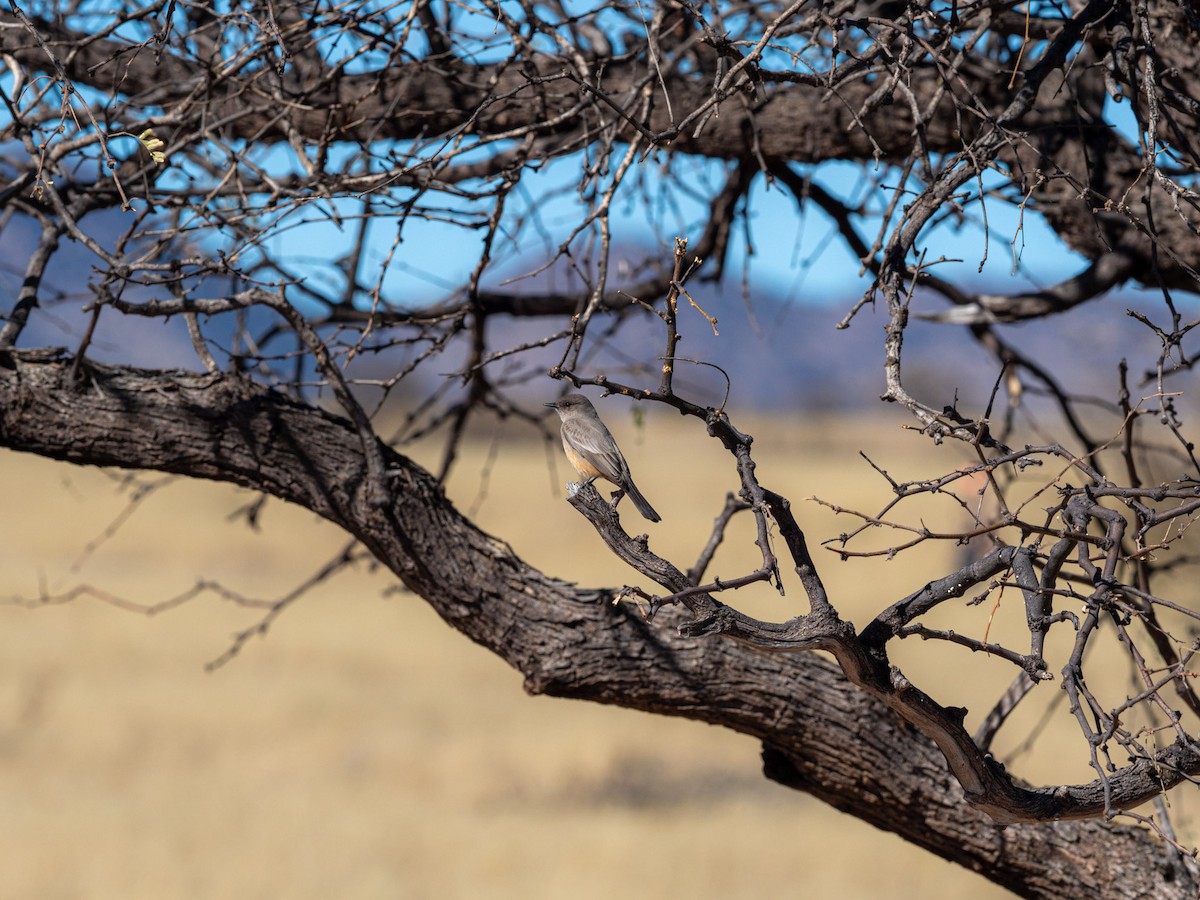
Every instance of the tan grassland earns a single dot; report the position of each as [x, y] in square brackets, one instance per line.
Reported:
[362, 749]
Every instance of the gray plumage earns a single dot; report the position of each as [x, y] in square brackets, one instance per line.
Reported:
[590, 448]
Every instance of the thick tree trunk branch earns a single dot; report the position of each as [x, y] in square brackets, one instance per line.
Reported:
[823, 736]
[1086, 179]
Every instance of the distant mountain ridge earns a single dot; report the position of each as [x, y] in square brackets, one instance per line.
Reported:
[790, 355]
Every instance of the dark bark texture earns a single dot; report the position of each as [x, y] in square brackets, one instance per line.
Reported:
[259, 176]
[819, 735]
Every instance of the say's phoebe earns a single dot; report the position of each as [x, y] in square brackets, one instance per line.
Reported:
[594, 453]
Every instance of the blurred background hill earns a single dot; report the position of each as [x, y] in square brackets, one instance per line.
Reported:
[779, 343]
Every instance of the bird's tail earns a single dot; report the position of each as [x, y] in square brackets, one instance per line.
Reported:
[642, 504]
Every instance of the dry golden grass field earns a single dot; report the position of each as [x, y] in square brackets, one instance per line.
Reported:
[362, 749]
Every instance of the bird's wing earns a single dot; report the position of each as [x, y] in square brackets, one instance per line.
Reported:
[597, 446]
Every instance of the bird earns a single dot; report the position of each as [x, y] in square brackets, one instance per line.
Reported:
[590, 448]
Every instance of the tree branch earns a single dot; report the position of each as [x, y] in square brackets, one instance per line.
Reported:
[567, 641]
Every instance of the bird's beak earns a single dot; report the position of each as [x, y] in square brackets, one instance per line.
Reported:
[551, 405]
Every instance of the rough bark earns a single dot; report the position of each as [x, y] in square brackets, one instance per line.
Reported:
[242, 122]
[819, 734]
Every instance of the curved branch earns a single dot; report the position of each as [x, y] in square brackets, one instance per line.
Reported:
[567, 641]
[1108, 271]
[864, 658]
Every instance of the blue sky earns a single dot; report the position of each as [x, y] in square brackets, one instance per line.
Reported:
[796, 251]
